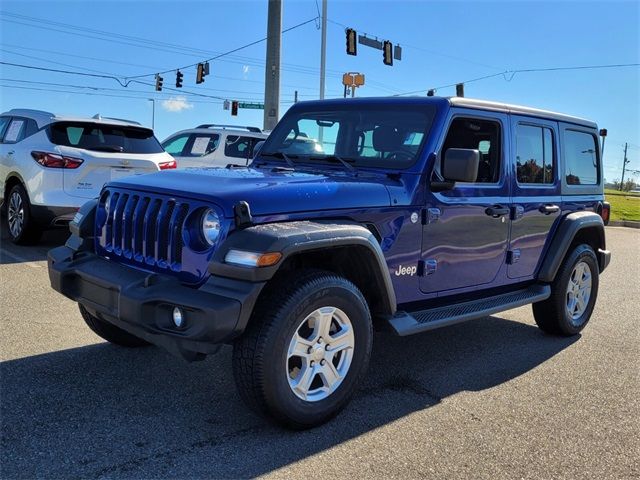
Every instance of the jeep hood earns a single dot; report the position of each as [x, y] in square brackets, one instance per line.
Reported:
[268, 191]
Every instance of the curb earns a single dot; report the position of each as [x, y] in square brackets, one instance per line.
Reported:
[624, 223]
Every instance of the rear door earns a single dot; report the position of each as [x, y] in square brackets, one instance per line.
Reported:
[536, 193]
[108, 152]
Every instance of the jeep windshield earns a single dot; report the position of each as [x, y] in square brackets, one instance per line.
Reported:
[385, 136]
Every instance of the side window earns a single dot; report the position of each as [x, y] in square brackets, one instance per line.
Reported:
[173, 146]
[581, 158]
[239, 147]
[482, 135]
[534, 155]
[4, 121]
[15, 131]
[202, 144]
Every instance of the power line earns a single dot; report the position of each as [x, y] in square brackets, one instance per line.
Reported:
[512, 73]
[225, 53]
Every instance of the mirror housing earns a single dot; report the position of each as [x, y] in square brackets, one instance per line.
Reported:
[256, 148]
[461, 165]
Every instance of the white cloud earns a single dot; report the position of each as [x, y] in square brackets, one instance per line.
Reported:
[245, 71]
[176, 104]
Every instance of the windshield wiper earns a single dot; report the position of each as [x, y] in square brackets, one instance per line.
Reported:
[336, 158]
[281, 155]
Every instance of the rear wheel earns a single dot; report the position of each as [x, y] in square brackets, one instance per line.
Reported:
[22, 228]
[305, 351]
[110, 332]
[573, 294]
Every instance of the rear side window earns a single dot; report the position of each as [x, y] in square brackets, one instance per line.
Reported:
[534, 155]
[581, 158]
[15, 131]
[239, 147]
[104, 138]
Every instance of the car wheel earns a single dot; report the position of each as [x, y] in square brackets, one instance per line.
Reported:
[573, 294]
[109, 332]
[22, 228]
[305, 351]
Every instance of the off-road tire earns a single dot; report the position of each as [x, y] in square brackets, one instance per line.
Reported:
[552, 315]
[109, 332]
[260, 354]
[28, 232]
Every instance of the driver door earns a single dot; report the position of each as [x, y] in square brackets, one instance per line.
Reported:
[466, 229]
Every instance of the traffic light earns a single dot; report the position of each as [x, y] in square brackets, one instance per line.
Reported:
[158, 83]
[460, 90]
[179, 76]
[234, 108]
[352, 43]
[431, 93]
[387, 52]
[206, 68]
[200, 73]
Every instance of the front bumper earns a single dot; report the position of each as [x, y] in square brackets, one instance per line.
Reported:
[142, 303]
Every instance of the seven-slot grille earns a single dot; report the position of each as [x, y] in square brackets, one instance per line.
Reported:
[144, 228]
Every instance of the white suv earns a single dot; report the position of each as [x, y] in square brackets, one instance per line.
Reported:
[213, 145]
[51, 165]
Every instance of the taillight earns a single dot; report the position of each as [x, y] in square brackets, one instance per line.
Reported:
[605, 212]
[168, 165]
[53, 160]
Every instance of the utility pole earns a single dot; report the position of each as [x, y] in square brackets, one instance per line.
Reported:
[272, 68]
[153, 113]
[323, 48]
[624, 166]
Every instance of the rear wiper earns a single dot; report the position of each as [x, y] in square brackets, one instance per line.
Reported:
[335, 158]
[281, 155]
[107, 148]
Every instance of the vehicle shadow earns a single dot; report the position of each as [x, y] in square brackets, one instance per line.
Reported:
[102, 410]
[10, 253]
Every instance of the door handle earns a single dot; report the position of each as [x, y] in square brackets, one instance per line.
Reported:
[497, 211]
[549, 209]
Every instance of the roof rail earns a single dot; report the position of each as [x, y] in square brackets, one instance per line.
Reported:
[239, 127]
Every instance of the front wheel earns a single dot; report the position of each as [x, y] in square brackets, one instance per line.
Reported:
[573, 294]
[305, 351]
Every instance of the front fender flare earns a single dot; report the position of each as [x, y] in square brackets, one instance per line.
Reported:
[292, 238]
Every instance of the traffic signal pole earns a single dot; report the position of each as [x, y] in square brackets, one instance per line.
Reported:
[272, 68]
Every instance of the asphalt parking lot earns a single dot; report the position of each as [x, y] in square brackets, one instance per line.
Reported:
[494, 398]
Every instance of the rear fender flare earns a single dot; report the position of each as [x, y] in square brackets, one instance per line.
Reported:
[570, 226]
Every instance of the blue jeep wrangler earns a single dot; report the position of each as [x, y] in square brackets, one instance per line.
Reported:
[407, 214]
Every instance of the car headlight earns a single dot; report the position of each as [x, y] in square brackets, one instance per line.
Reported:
[210, 226]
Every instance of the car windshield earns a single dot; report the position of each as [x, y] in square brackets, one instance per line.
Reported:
[389, 136]
[104, 138]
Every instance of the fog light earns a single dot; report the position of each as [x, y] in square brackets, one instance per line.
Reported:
[178, 318]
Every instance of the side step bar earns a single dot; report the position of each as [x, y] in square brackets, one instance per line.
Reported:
[408, 323]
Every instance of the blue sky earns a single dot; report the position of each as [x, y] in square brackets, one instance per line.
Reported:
[443, 43]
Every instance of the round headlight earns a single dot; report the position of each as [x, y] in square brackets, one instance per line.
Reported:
[210, 226]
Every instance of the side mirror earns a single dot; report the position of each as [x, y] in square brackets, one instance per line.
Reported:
[461, 165]
[256, 148]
